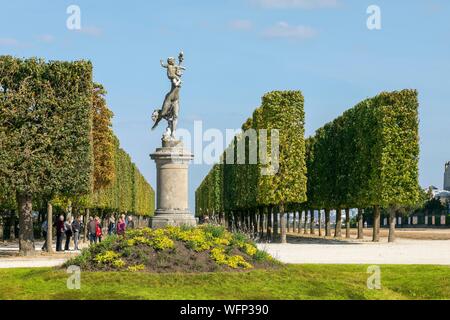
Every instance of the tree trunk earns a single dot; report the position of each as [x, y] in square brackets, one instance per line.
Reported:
[261, 222]
[86, 221]
[327, 223]
[248, 221]
[26, 236]
[221, 218]
[12, 226]
[283, 223]
[347, 223]
[312, 226]
[391, 237]
[275, 224]
[288, 218]
[230, 221]
[360, 224]
[319, 216]
[269, 224]
[376, 224]
[255, 223]
[1, 230]
[299, 225]
[305, 223]
[338, 228]
[49, 227]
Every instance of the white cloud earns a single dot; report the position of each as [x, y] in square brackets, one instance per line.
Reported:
[241, 25]
[9, 42]
[285, 31]
[47, 38]
[302, 4]
[92, 31]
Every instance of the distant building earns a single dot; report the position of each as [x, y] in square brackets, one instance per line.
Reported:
[443, 195]
[438, 194]
[447, 177]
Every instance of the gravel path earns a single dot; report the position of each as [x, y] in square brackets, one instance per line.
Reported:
[31, 263]
[404, 251]
[9, 257]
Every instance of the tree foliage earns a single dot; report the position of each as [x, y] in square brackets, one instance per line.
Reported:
[56, 140]
[45, 126]
[238, 182]
[369, 155]
[103, 139]
[128, 191]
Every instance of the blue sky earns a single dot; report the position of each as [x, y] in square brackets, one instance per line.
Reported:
[236, 50]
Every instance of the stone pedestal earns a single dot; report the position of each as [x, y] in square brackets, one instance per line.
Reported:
[172, 162]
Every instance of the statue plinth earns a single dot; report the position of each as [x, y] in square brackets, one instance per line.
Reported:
[172, 162]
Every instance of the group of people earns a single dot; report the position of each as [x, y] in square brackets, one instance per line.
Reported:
[121, 225]
[71, 229]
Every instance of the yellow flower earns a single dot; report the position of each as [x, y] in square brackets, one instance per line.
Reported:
[138, 267]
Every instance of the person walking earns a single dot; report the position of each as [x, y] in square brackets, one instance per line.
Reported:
[44, 228]
[98, 229]
[76, 229]
[121, 227]
[112, 226]
[68, 232]
[92, 229]
[59, 232]
[130, 224]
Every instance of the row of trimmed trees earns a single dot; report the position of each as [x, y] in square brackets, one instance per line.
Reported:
[56, 143]
[263, 171]
[365, 159]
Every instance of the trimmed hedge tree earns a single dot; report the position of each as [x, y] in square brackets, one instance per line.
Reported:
[45, 132]
[252, 179]
[57, 144]
[369, 157]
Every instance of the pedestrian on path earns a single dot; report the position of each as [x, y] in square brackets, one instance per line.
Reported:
[44, 228]
[121, 227]
[112, 226]
[92, 229]
[68, 232]
[98, 229]
[59, 232]
[76, 228]
[130, 224]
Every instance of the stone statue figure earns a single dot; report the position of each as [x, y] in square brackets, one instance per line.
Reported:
[170, 106]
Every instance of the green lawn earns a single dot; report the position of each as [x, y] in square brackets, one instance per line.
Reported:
[287, 282]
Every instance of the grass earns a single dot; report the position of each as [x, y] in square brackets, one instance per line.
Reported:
[285, 282]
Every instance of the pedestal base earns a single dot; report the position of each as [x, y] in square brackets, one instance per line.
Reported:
[161, 220]
[172, 163]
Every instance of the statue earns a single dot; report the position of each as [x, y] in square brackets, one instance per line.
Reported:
[170, 106]
[171, 159]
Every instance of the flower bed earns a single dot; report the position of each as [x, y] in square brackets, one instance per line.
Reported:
[174, 249]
